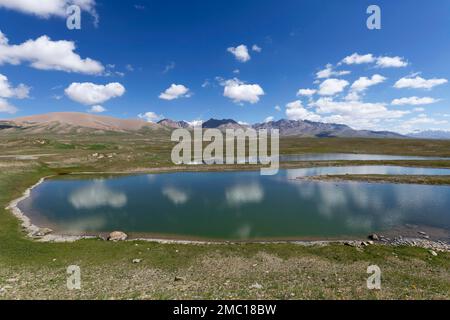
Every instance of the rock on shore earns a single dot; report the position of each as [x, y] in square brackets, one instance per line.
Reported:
[117, 236]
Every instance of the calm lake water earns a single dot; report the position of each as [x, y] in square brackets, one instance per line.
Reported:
[239, 205]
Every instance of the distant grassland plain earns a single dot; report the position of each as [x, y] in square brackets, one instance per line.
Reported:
[29, 269]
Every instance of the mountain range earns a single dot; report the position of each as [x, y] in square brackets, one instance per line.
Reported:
[174, 124]
[73, 122]
[431, 134]
[306, 128]
[302, 128]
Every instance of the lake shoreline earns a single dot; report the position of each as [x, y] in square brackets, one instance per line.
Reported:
[31, 229]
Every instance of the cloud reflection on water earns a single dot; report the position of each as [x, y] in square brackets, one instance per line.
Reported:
[96, 195]
[177, 196]
[392, 203]
[244, 193]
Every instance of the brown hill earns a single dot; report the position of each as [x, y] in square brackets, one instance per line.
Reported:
[67, 122]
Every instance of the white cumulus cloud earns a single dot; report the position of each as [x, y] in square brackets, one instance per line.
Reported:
[331, 87]
[359, 59]
[239, 92]
[330, 72]
[351, 109]
[48, 8]
[381, 62]
[357, 114]
[414, 101]
[46, 54]
[391, 62]
[363, 83]
[6, 107]
[256, 48]
[240, 53]
[421, 122]
[150, 117]
[88, 93]
[8, 91]
[175, 91]
[419, 83]
[306, 92]
[296, 111]
[97, 109]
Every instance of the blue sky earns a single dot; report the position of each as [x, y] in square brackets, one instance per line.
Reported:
[243, 59]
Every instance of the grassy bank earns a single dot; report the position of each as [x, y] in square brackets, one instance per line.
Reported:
[30, 269]
[401, 179]
[411, 147]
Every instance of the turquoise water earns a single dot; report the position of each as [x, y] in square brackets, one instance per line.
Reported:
[239, 205]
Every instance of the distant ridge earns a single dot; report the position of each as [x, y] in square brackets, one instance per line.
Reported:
[304, 128]
[75, 122]
[431, 134]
